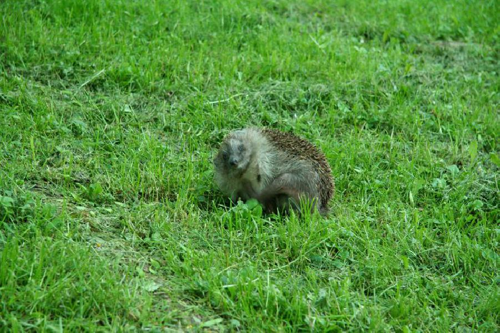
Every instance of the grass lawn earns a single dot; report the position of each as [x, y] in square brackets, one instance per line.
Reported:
[110, 115]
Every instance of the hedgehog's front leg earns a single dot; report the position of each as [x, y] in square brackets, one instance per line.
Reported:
[235, 196]
[244, 193]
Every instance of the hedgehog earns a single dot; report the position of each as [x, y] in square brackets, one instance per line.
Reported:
[279, 169]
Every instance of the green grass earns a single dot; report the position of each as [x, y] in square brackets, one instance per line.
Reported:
[111, 111]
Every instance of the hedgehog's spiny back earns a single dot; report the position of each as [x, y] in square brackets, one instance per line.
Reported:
[304, 150]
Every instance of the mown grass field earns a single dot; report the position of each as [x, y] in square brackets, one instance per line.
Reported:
[110, 114]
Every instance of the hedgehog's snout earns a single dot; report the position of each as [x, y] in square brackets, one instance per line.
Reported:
[233, 161]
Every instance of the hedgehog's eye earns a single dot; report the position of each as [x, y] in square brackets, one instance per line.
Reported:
[241, 148]
[225, 156]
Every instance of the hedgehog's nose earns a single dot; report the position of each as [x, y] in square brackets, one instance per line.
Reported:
[233, 162]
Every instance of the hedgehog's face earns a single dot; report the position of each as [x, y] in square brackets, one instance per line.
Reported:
[233, 157]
